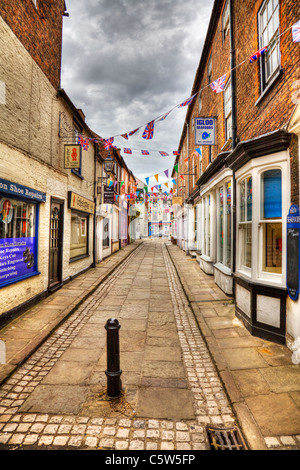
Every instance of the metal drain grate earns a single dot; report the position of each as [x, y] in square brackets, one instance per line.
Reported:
[225, 438]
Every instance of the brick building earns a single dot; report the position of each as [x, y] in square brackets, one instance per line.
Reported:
[238, 193]
[52, 221]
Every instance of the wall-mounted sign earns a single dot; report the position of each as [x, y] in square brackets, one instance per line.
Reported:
[109, 195]
[72, 156]
[80, 203]
[205, 131]
[293, 251]
[15, 189]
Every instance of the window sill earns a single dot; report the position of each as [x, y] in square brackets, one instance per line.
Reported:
[19, 279]
[276, 76]
[77, 174]
[77, 258]
[224, 269]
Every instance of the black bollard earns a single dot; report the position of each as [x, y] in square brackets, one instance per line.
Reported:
[113, 372]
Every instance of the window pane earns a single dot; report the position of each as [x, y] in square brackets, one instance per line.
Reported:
[242, 202]
[79, 237]
[228, 226]
[246, 244]
[272, 248]
[249, 198]
[221, 221]
[272, 194]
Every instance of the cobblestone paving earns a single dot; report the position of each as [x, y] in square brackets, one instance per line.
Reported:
[18, 429]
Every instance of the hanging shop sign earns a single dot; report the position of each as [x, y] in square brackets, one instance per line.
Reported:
[205, 131]
[79, 203]
[109, 195]
[177, 201]
[293, 252]
[72, 156]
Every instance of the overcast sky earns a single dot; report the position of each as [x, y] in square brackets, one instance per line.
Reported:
[127, 62]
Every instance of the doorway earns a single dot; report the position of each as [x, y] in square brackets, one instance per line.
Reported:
[56, 243]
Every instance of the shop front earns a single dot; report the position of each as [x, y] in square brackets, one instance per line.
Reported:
[263, 193]
[19, 229]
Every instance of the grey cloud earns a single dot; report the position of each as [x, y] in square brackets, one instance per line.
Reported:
[127, 61]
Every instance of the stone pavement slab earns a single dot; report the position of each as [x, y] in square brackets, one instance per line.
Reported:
[262, 383]
[24, 334]
[58, 396]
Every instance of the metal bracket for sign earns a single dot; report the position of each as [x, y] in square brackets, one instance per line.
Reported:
[293, 252]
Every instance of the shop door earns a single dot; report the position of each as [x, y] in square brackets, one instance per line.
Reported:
[56, 243]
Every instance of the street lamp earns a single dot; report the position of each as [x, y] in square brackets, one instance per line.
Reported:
[109, 164]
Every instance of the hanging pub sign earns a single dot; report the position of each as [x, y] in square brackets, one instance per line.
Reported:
[293, 251]
[205, 131]
[72, 156]
[109, 195]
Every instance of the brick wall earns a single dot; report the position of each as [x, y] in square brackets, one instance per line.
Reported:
[273, 110]
[256, 114]
[39, 30]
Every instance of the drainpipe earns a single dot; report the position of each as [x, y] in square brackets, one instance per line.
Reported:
[234, 134]
[95, 201]
[188, 191]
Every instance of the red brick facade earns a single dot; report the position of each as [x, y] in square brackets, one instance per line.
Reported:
[257, 113]
[39, 29]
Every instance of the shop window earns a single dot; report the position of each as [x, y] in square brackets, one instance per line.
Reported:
[228, 226]
[245, 222]
[79, 235]
[207, 230]
[271, 221]
[18, 242]
[224, 227]
[268, 24]
[221, 226]
[106, 234]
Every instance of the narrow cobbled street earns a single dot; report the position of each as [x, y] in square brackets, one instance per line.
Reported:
[170, 388]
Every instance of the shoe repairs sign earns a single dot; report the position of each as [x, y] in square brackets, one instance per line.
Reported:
[17, 258]
[293, 252]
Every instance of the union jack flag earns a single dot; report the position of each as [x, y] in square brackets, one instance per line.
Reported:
[133, 132]
[218, 85]
[145, 152]
[176, 152]
[164, 154]
[149, 131]
[296, 32]
[258, 54]
[85, 144]
[108, 143]
[164, 116]
[125, 136]
[128, 151]
[80, 140]
[187, 102]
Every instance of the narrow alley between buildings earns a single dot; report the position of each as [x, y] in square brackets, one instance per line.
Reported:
[170, 386]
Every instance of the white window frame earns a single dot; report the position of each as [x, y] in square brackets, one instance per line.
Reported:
[256, 168]
[200, 102]
[228, 110]
[268, 30]
[226, 20]
[225, 222]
